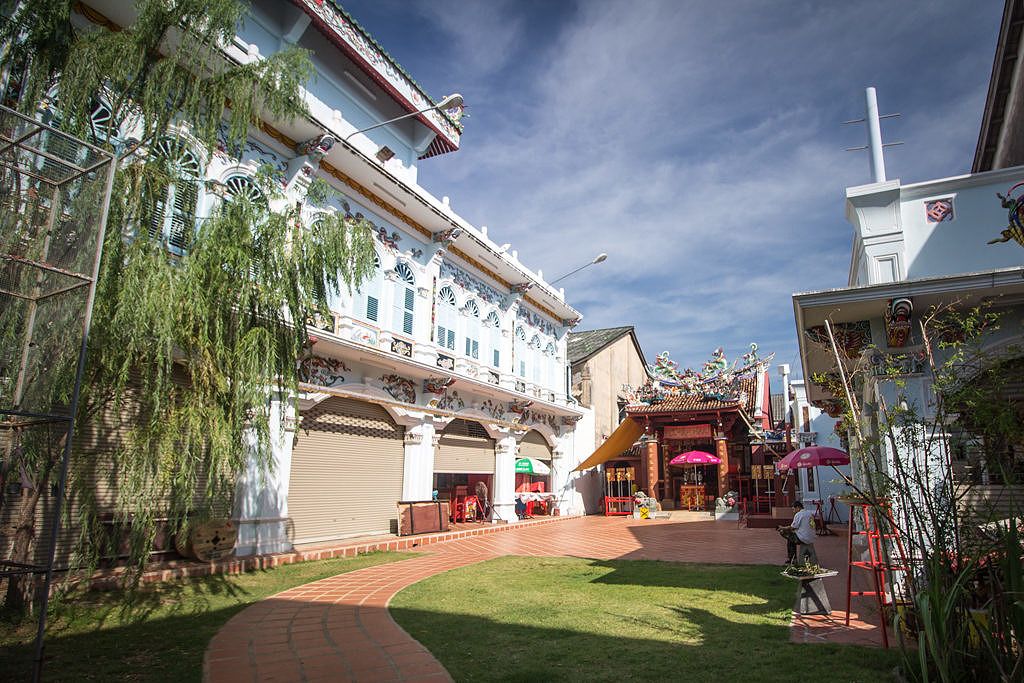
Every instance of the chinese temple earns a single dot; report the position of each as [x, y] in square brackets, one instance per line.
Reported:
[722, 411]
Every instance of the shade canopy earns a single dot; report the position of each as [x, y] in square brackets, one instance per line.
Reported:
[621, 439]
[813, 456]
[695, 458]
[531, 466]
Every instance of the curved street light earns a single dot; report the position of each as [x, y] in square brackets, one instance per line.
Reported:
[450, 102]
[597, 259]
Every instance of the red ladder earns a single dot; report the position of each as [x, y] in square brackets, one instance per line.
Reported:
[876, 563]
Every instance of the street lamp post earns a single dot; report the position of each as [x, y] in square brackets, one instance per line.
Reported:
[597, 259]
[450, 102]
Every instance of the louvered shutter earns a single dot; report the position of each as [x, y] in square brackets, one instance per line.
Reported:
[371, 308]
[410, 302]
[183, 213]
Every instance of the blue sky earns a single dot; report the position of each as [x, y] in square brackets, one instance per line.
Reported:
[699, 144]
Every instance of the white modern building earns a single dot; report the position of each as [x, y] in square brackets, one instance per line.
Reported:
[445, 366]
[917, 246]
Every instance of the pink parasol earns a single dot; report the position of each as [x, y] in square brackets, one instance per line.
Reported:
[813, 456]
[695, 458]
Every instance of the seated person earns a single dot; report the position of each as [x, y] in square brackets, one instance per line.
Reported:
[803, 528]
[520, 508]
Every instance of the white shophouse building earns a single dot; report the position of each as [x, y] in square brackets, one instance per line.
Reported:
[448, 364]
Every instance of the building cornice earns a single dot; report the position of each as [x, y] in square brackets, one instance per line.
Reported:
[358, 45]
[1001, 277]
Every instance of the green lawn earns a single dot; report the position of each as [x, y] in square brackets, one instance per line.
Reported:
[162, 637]
[551, 619]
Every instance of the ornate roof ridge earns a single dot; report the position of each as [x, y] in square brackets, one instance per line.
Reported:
[384, 53]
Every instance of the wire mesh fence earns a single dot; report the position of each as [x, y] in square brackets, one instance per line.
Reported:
[54, 197]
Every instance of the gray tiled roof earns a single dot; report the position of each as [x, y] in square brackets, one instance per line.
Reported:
[583, 345]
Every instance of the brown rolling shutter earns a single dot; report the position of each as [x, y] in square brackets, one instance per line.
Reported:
[534, 445]
[464, 447]
[347, 470]
[92, 473]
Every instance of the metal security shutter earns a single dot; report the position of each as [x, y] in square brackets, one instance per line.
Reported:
[534, 445]
[346, 474]
[464, 447]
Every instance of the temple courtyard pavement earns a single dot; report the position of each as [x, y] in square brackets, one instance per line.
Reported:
[339, 628]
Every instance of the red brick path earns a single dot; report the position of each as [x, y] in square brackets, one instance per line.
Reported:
[339, 628]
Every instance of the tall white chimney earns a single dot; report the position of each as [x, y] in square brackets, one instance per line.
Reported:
[874, 135]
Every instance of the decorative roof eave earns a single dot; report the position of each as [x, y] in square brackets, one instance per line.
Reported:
[343, 31]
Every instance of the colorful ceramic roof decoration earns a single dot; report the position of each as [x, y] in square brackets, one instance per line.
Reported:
[1015, 217]
[718, 384]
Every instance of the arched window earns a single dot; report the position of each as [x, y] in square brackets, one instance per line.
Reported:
[101, 118]
[472, 311]
[492, 330]
[366, 302]
[447, 318]
[242, 186]
[404, 303]
[520, 351]
[174, 216]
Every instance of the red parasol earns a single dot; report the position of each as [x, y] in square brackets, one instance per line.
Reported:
[695, 458]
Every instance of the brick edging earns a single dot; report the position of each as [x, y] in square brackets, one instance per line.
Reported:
[239, 565]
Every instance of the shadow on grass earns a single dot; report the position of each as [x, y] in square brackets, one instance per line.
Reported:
[622, 620]
[162, 649]
[161, 632]
[696, 646]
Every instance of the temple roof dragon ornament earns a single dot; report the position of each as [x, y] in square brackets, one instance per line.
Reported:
[717, 380]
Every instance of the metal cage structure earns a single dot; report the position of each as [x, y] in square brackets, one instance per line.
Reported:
[54, 199]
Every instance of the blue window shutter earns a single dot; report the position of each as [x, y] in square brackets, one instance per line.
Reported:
[476, 349]
[441, 335]
[409, 299]
[497, 358]
[451, 339]
[469, 345]
[371, 308]
[407, 325]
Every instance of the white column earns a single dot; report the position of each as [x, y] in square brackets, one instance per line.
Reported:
[561, 480]
[261, 495]
[505, 478]
[418, 478]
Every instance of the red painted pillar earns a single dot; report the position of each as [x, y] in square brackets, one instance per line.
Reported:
[651, 468]
[722, 451]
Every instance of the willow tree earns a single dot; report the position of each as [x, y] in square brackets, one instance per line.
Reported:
[190, 345]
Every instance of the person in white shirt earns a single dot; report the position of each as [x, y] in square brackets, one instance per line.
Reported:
[803, 527]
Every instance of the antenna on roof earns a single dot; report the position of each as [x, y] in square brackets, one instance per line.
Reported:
[872, 118]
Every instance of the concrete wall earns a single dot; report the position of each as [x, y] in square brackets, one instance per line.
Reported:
[894, 239]
[828, 481]
[617, 364]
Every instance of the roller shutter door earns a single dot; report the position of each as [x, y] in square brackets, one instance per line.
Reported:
[346, 474]
[464, 447]
[534, 445]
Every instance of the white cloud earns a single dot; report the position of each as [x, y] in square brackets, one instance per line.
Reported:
[700, 146]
